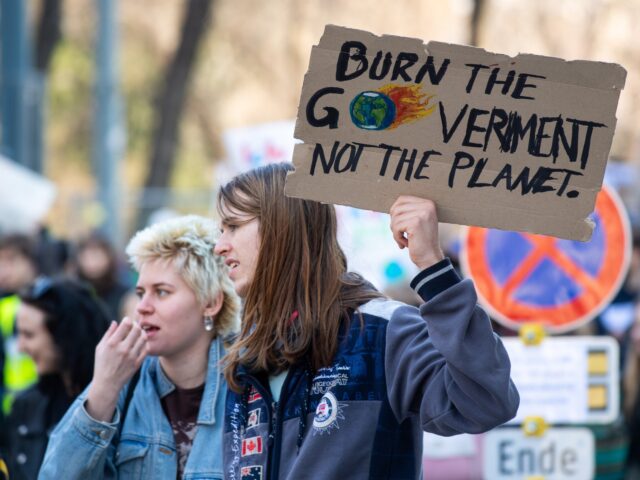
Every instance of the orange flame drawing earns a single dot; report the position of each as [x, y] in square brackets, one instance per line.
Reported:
[411, 103]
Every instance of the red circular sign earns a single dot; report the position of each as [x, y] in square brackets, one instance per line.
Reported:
[525, 278]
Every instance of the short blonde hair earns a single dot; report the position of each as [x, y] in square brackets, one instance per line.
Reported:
[187, 242]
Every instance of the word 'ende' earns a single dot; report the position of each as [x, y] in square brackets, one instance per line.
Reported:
[412, 166]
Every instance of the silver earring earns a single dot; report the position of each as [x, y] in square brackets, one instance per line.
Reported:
[208, 323]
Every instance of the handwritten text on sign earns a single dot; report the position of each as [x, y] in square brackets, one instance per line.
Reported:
[514, 143]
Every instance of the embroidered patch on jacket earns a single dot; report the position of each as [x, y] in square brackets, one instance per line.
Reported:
[328, 412]
[330, 377]
[253, 472]
[254, 418]
[251, 446]
[235, 421]
[254, 395]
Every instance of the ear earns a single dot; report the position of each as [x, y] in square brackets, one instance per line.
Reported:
[213, 308]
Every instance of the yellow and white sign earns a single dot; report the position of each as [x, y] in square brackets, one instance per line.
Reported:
[570, 380]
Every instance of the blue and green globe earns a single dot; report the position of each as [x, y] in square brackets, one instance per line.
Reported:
[372, 111]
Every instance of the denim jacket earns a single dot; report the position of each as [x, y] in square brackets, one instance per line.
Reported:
[81, 447]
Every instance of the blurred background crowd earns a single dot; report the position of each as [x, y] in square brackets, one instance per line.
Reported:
[118, 114]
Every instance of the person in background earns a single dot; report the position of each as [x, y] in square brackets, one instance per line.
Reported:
[327, 378]
[617, 444]
[129, 305]
[631, 398]
[166, 421]
[18, 268]
[53, 253]
[18, 262]
[59, 324]
[97, 264]
[617, 318]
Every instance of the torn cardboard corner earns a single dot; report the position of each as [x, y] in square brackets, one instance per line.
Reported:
[517, 143]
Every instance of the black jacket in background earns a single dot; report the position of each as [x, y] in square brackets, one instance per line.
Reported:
[33, 415]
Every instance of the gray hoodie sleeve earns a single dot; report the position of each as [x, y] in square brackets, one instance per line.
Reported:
[444, 363]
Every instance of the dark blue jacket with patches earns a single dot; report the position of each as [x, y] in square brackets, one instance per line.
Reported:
[439, 368]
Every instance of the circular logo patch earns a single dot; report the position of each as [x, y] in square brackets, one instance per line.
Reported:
[326, 411]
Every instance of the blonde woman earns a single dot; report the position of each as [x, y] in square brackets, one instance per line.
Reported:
[168, 423]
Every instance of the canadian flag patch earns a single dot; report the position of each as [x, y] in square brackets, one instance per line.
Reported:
[251, 446]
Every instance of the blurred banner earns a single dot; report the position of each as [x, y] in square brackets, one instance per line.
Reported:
[25, 197]
[257, 145]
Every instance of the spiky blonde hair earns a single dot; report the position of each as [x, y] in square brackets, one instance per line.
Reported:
[187, 242]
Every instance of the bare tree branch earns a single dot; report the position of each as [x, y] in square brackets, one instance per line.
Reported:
[171, 99]
[476, 21]
[48, 33]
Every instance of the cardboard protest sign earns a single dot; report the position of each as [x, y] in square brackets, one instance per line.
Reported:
[516, 143]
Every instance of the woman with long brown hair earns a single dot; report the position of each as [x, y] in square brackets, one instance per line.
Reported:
[328, 379]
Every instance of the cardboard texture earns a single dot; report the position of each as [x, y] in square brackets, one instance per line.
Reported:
[516, 143]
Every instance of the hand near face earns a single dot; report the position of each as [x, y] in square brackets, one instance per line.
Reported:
[118, 356]
[414, 224]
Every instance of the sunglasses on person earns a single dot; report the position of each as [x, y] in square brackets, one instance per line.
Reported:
[40, 287]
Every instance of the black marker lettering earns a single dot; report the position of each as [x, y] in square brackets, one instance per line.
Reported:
[447, 134]
[331, 118]
[424, 164]
[404, 60]
[475, 68]
[522, 84]
[435, 77]
[343, 60]
[458, 165]
[386, 65]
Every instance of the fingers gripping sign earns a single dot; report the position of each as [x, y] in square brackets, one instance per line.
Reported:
[414, 223]
[118, 355]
